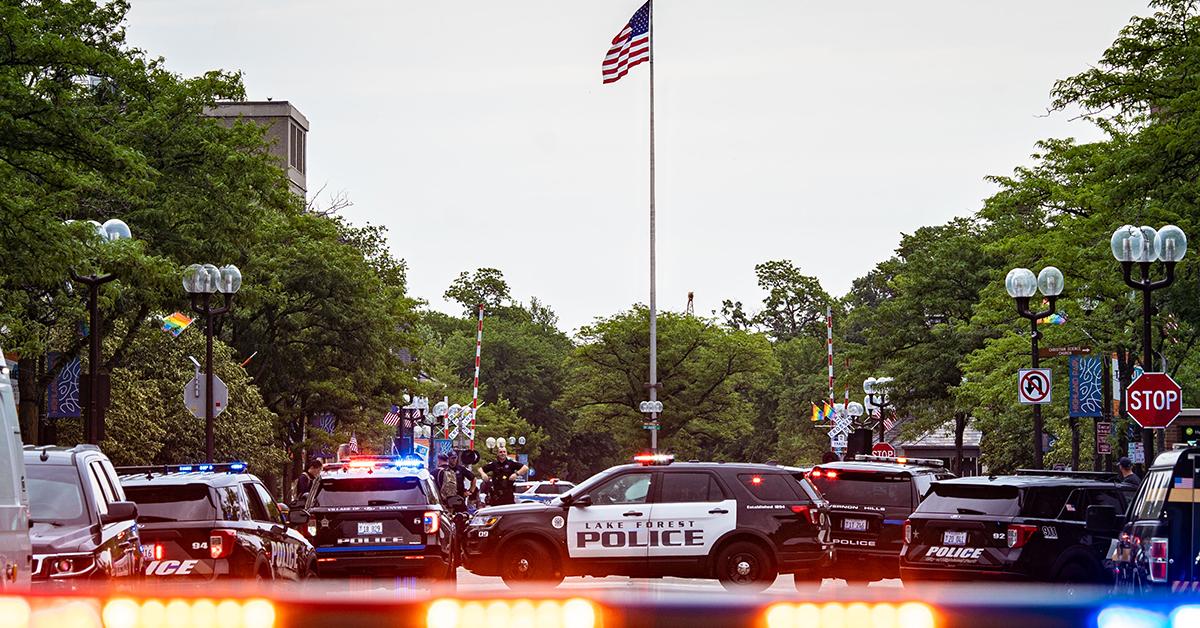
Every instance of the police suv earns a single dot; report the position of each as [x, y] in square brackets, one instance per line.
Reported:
[379, 515]
[869, 500]
[1159, 545]
[1030, 526]
[740, 523]
[209, 521]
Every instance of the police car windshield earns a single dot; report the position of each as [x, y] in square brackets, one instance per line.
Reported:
[55, 495]
[972, 499]
[866, 487]
[188, 502]
[343, 492]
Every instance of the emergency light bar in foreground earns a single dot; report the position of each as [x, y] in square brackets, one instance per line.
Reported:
[653, 459]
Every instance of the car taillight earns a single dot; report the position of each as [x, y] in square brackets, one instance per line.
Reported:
[220, 543]
[1158, 560]
[908, 531]
[158, 551]
[1018, 535]
[811, 513]
[432, 522]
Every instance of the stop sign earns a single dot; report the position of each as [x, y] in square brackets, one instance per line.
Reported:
[883, 449]
[1154, 400]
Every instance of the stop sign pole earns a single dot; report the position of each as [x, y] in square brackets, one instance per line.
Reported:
[1154, 401]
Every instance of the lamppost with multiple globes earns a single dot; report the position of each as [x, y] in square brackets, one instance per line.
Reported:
[1144, 246]
[201, 281]
[876, 389]
[1021, 285]
[93, 428]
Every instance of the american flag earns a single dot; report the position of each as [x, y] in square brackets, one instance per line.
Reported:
[353, 443]
[392, 418]
[888, 422]
[630, 47]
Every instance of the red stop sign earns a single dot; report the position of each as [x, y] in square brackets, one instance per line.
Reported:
[1154, 400]
[883, 449]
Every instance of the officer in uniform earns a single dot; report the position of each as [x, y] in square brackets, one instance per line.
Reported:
[502, 472]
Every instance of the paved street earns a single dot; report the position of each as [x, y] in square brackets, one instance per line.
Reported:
[471, 583]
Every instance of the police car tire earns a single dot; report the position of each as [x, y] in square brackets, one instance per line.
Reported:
[537, 570]
[744, 566]
[1076, 573]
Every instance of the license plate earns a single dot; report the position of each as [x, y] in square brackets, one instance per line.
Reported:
[147, 552]
[370, 528]
[854, 525]
[950, 537]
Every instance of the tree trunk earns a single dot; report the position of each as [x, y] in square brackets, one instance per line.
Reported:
[27, 412]
[960, 426]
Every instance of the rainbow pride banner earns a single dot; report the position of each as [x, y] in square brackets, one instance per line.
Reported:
[176, 323]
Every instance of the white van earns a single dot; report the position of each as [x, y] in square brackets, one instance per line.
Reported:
[16, 559]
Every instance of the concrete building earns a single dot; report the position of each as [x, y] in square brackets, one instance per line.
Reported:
[287, 133]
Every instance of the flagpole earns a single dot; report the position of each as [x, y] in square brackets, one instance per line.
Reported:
[653, 304]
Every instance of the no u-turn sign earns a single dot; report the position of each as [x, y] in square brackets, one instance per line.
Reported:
[1033, 386]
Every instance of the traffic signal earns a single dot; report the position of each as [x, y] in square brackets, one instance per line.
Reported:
[859, 442]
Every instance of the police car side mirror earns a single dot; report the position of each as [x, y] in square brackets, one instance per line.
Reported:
[298, 517]
[284, 511]
[119, 511]
[582, 501]
[1101, 519]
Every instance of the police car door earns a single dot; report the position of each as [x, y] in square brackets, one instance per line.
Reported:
[288, 555]
[614, 524]
[691, 513]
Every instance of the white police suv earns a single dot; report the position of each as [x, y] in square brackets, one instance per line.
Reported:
[742, 524]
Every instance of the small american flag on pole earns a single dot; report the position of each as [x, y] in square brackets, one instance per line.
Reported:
[630, 47]
[353, 443]
[392, 418]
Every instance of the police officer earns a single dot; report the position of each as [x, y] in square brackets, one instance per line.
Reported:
[502, 472]
[305, 482]
[1125, 465]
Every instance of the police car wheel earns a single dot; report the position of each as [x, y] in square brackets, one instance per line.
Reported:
[527, 563]
[745, 566]
[1076, 573]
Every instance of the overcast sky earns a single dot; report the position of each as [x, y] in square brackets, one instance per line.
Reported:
[480, 134]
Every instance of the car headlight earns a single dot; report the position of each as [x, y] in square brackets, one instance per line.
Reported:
[484, 521]
[70, 565]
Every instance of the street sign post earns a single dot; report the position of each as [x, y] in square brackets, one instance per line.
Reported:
[194, 396]
[1154, 400]
[1033, 386]
[1103, 446]
[883, 449]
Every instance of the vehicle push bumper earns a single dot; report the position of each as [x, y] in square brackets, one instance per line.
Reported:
[413, 560]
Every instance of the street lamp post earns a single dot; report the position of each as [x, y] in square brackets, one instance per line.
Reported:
[1145, 246]
[877, 397]
[93, 427]
[201, 281]
[1021, 285]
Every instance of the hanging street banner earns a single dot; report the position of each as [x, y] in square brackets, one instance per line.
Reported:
[1033, 386]
[62, 396]
[1086, 378]
[442, 446]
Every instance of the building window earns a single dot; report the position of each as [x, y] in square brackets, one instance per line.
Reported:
[296, 147]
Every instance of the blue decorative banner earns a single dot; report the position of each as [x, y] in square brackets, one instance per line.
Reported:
[1087, 381]
[442, 446]
[62, 396]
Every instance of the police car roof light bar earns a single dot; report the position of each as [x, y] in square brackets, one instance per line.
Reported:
[220, 467]
[654, 459]
[920, 462]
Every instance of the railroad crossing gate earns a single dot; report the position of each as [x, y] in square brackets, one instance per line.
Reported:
[1033, 386]
[1154, 400]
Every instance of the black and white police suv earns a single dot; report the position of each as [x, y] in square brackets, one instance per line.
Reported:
[210, 521]
[1028, 527]
[869, 498]
[740, 523]
[379, 516]
[1159, 544]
